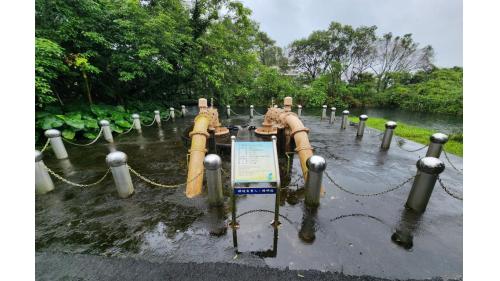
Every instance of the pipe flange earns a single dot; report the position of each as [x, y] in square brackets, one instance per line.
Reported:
[298, 130]
[300, 148]
[192, 133]
[219, 131]
[204, 150]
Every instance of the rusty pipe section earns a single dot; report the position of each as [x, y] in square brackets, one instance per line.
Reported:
[285, 118]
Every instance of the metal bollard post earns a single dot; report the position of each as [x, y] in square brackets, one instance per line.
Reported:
[429, 169]
[436, 145]
[183, 111]
[43, 181]
[315, 165]
[56, 143]
[251, 111]
[158, 118]
[117, 161]
[389, 130]
[228, 111]
[172, 114]
[323, 113]
[361, 125]
[299, 110]
[106, 130]
[332, 115]
[213, 165]
[136, 122]
[345, 119]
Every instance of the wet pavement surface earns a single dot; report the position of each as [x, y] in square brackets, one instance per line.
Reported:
[347, 233]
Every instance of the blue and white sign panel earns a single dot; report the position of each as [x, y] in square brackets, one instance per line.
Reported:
[254, 162]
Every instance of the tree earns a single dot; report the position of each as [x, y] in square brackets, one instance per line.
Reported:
[49, 65]
[399, 54]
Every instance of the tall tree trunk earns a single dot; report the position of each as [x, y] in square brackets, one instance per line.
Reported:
[87, 88]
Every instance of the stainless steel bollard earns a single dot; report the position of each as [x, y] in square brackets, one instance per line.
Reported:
[228, 111]
[183, 111]
[251, 111]
[361, 125]
[429, 169]
[323, 113]
[43, 181]
[213, 165]
[436, 145]
[117, 161]
[56, 143]
[315, 165]
[332, 115]
[299, 110]
[389, 131]
[136, 122]
[158, 118]
[345, 119]
[106, 130]
[172, 114]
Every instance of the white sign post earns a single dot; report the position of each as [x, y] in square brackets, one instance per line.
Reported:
[254, 162]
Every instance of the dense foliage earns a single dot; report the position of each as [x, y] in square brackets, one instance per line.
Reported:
[171, 52]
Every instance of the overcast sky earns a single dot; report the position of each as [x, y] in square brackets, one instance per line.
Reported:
[432, 22]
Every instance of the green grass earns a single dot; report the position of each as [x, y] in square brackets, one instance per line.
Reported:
[421, 135]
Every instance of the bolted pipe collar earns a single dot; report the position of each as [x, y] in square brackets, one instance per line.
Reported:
[157, 112]
[439, 138]
[212, 162]
[116, 159]
[363, 117]
[430, 165]
[345, 112]
[104, 123]
[316, 163]
[52, 133]
[135, 116]
[391, 125]
[38, 156]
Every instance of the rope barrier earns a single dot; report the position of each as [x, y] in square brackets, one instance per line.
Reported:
[451, 164]
[234, 112]
[359, 215]
[74, 183]
[448, 191]
[401, 142]
[149, 125]
[166, 119]
[128, 131]
[159, 184]
[87, 144]
[264, 211]
[369, 195]
[45, 146]
[258, 113]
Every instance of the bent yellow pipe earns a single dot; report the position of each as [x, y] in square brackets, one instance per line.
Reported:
[199, 136]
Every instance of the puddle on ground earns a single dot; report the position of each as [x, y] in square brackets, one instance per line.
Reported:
[356, 235]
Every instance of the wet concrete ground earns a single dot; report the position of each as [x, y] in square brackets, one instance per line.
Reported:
[352, 234]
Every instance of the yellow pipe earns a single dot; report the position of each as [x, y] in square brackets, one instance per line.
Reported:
[199, 136]
[299, 133]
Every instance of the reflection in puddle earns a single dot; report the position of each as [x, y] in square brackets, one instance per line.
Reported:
[408, 225]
